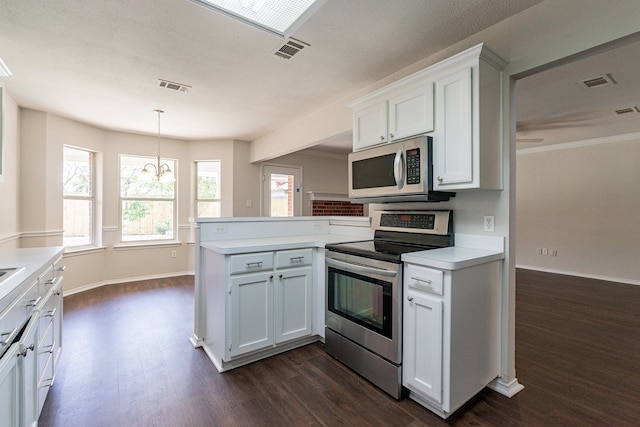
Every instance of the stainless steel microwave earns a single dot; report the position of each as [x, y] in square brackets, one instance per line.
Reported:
[397, 172]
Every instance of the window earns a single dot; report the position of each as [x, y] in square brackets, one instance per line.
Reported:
[147, 206]
[208, 188]
[78, 197]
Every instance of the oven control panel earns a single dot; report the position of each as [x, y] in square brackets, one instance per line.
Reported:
[428, 222]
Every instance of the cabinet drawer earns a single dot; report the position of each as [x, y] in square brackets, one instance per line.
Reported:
[294, 258]
[424, 279]
[249, 263]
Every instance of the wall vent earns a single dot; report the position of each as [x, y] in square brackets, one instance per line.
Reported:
[178, 87]
[599, 81]
[290, 48]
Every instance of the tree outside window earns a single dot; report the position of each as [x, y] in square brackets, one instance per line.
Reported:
[78, 197]
[147, 206]
[208, 203]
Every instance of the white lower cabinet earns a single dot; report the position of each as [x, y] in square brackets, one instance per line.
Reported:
[422, 361]
[451, 333]
[10, 387]
[257, 304]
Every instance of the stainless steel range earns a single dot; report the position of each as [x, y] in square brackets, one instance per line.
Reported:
[364, 292]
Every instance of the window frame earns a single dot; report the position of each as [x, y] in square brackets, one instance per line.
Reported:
[92, 197]
[174, 200]
[197, 200]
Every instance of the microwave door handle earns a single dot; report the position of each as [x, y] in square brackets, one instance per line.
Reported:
[398, 169]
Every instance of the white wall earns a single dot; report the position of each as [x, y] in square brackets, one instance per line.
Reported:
[583, 201]
[320, 174]
[9, 185]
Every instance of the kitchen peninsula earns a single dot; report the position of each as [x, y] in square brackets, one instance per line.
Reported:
[259, 287]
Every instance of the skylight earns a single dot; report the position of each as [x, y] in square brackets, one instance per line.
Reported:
[279, 17]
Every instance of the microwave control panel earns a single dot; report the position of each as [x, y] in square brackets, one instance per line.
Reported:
[413, 166]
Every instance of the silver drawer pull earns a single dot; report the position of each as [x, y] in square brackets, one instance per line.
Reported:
[296, 258]
[34, 302]
[254, 264]
[422, 280]
[60, 268]
[9, 337]
[50, 313]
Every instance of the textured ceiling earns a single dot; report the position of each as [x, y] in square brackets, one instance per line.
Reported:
[99, 62]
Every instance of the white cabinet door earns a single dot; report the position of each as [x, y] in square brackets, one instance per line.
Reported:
[453, 145]
[28, 362]
[370, 126]
[422, 348]
[411, 113]
[10, 387]
[251, 313]
[292, 293]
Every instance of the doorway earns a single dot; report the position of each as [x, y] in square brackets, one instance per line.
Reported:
[281, 190]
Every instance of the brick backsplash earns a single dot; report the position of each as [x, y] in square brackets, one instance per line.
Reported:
[328, 208]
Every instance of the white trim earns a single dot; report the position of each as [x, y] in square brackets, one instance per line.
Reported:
[578, 144]
[507, 389]
[126, 280]
[9, 238]
[147, 245]
[70, 252]
[578, 274]
[29, 234]
[331, 197]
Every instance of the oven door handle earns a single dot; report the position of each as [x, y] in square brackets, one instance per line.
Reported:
[398, 169]
[361, 268]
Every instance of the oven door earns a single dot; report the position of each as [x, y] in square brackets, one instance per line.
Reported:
[363, 303]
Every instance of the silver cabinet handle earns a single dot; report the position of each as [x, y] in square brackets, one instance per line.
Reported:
[60, 268]
[421, 280]
[271, 277]
[409, 298]
[255, 264]
[296, 258]
[439, 179]
[381, 138]
[34, 302]
[51, 313]
[391, 135]
[9, 337]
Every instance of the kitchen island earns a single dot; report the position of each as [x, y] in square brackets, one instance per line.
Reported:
[259, 287]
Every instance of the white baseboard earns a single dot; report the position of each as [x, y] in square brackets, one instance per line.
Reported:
[578, 274]
[509, 389]
[125, 280]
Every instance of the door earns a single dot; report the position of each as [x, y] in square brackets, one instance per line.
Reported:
[292, 289]
[422, 368]
[10, 387]
[453, 148]
[281, 190]
[370, 126]
[251, 312]
[411, 113]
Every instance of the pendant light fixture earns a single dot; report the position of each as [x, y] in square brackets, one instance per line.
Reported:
[162, 172]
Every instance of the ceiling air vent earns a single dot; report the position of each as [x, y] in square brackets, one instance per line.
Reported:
[600, 81]
[628, 110]
[178, 87]
[290, 48]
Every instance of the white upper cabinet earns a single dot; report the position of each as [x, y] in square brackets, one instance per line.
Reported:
[402, 111]
[411, 112]
[370, 126]
[467, 142]
[464, 117]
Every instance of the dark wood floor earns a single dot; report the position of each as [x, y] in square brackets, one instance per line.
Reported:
[127, 362]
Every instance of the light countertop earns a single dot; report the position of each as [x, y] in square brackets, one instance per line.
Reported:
[230, 247]
[29, 261]
[453, 258]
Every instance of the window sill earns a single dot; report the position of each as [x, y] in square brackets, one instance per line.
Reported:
[144, 245]
[71, 252]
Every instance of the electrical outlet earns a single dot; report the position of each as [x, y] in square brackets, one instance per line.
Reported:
[489, 223]
[554, 253]
[539, 251]
[220, 229]
[173, 254]
[249, 203]
[545, 251]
